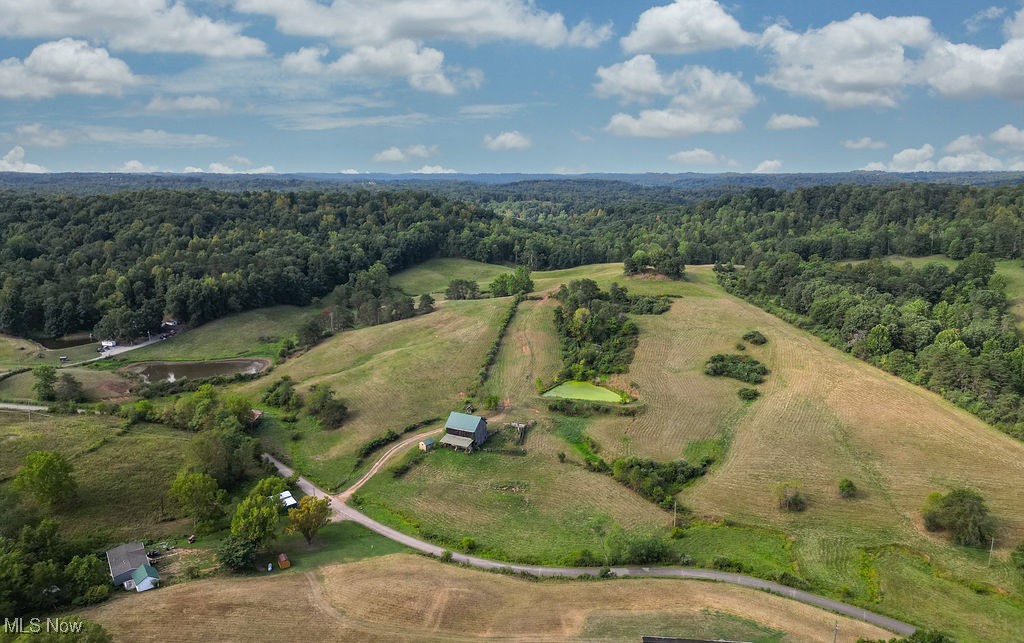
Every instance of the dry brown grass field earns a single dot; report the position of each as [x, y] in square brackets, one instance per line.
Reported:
[405, 597]
[528, 351]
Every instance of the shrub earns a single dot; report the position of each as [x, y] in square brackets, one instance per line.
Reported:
[446, 556]
[658, 482]
[740, 346]
[755, 337]
[467, 544]
[748, 394]
[237, 553]
[727, 564]
[561, 456]
[491, 402]
[847, 489]
[963, 513]
[741, 367]
[789, 497]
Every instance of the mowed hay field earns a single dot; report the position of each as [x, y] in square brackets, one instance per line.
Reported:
[122, 474]
[529, 350]
[390, 376]
[404, 598]
[433, 275]
[98, 385]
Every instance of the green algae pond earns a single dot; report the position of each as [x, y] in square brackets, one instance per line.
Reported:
[583, 391]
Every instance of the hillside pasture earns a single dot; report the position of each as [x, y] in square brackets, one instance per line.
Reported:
[390, 376]
[528, 351]
[122, 474]
[98, 385]
[405, 598]
[433, 275]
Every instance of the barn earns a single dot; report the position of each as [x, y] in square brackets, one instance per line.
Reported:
[463, 431]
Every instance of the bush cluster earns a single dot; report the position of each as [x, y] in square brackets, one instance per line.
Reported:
[741, 367]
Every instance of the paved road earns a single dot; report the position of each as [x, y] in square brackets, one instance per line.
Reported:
[22, 407]
[116, 350]
[342, 511]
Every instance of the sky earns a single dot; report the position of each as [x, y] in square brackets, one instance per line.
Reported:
[541, 86]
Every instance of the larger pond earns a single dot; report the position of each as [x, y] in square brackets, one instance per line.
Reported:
[583, 391]
[172, 371]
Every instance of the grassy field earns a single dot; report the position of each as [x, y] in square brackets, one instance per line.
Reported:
[582, 391]
[389, 376]
[98, 385]
[16, 352]
[254, 333]
[122, 474]
[432, 276]
[404, 598]
[528, 351]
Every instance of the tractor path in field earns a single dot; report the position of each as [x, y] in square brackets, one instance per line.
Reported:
[342, 511]
[379, 464]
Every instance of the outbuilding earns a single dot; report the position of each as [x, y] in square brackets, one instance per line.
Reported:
[463, 431]
[427, 444]
[145, 577]
[287, 499]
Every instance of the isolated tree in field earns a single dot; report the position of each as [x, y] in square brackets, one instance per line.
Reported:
[426, 303]
[789, 497]
[46, 379]
[307, 519]
[462, 289]
[847, 489]
[324, 407]
[236, 553]
[47, 475]
[198, 497]
[69, 389]
[256, 520]
[963, 513]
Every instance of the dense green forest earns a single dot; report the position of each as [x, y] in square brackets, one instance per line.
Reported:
[948, 330]
[119, 263]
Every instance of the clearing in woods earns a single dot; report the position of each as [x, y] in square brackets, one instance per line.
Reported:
[404, 597]
[122, 474]
[390, 376]
[433, 275]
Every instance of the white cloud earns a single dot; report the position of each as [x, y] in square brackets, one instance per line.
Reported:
[136, 167]
[195, 103]
[768, 166]
[146, 137]
[223, 168]
[490, 110]
[865, 143]
[711, 102]
[635, 80]
[790, 121]
[507, 141]
[137, 25]
[699, 156]
[1014, 27]
[349, 171]
[14, 161]
[396, 154]
[978, 20]
[39, 135]
[423, 67]
[686, 26]
[65, 66]
[967, 71]
[435, 169]
[858, 62]
[239, 160]
[913, 159]
[969, 162]
[350, 23]
[1008, 135]
[965, 144]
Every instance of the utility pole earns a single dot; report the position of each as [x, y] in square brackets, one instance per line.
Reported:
[991, 547]
[674, 505]
[835, 633]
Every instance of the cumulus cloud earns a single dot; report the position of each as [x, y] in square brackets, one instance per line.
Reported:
[512, 140]
[179, 104]
[396, 154]
[351, 23]
[768, 166]
[65, 66]
[710, 102]
[435, 169]
[423, 67]
[978, 20]
[636, 80]
[136, 167]
[699, 156]
[963, 154]
[864, 143]
[224, 168]
[683, 27]
[39, 135]
[790, 121]
[976, 161]
[858, 62]
[913, 159]
[1014, 27]
[968, 71]
[139, 25]
[965, 144]
[1009, 136]
[14, 161]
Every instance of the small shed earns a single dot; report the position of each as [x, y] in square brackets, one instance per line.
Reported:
[288, 500]
[427, 444]
[283, 562]
[145, 577]
[123, 560]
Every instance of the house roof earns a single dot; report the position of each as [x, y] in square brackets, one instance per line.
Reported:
[144, 572]
[125, 558]
[287, 499]
[428, 441]
[464, 422]
[457, 441]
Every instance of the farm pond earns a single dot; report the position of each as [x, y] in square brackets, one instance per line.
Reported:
[173, 371]
[583, 391]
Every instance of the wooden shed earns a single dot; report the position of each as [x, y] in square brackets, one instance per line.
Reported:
[463, 431]
[283, 562]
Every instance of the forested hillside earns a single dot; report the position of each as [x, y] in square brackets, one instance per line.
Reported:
[119, 262]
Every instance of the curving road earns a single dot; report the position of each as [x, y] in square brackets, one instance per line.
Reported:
[341, 511]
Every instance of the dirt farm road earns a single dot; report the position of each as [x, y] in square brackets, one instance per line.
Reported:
[342, 511]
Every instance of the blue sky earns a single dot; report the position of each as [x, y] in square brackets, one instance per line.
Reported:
[510, 86]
